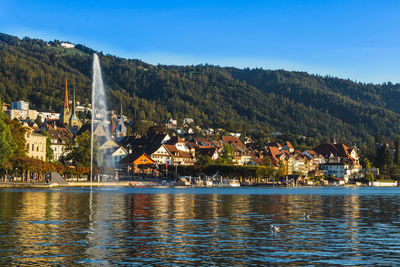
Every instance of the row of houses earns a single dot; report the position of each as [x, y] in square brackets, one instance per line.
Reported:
[160, 149]
[337, 160]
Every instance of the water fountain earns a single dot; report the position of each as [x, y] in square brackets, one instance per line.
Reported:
[99, 114]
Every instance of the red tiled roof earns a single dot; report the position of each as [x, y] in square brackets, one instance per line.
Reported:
[288, 144]
[59, 133]
[275, 154]
[336, 149]
[230, 139]
[202, 141]
[206, 151]
[257, 160]
[134, 156]
[176, 152]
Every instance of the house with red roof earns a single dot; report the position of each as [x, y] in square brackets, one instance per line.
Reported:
[209, 151]
[137, 162]
[288, 147]
[342, 161]
[179, 157]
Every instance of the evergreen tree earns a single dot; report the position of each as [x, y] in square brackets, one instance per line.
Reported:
[384, 159]
[397, 150]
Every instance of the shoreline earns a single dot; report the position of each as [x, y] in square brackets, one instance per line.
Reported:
[135, 184]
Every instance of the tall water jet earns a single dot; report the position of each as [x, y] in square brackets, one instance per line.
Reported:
[99, 115]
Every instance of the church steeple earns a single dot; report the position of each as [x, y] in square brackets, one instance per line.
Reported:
[120, 100]
[65, 113]
[66, 104]
[73, 107]
[74, 122]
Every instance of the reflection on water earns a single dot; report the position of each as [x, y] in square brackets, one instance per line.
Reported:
[197, 226]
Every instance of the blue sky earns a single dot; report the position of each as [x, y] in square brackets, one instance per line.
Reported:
[359, 40]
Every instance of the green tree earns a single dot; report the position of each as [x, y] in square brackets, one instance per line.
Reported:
[7, 144]
[397, 151]
[203, 160]
[141, 127]
[227, 155]
[370, 177]
[18, 132]
[78, 150]
[282, 169]
[384, 159]
[49, 150]
[371, 148]
[366, 164]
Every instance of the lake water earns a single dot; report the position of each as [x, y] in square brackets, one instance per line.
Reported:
[172, 226]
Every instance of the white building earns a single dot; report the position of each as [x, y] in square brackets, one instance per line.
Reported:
[114, 153]
[59, 138]
[188, 120]
[67, 45]
[49, 115]
[235, 134]
[339, 168]
[20, 105]
[22, 114]
[35, 144]
[117, 155]
[172, 121]
[161, 156]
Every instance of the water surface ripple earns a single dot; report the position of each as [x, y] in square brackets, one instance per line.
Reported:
[224, 227]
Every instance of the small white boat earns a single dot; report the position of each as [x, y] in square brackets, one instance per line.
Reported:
[183, 181]
[234, 183]
[208, 182]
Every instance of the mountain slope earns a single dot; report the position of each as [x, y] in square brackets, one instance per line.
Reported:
[235, 99]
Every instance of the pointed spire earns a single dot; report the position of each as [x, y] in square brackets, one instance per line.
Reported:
[73, 110]
[66, 106]
[120, 100]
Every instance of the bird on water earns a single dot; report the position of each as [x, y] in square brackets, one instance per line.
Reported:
[274, 228]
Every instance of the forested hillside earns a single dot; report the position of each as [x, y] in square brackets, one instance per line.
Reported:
[236, 99]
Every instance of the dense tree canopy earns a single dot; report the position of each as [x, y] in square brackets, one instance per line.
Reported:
[251, 101]
[78, 150]
[7, 144]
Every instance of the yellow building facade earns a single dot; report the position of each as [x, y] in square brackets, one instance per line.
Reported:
[36, 145]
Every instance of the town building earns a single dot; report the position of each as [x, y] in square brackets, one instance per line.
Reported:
[59, 138]
[74, 123]
[179, 157]
[341, 161]
[20, 105]
[35, 144]
[209, 151]
[113, 152]
[161, 156]
[22, 114]
[188, 121]
[48, 115]
[67, 45]
[121, 129]
[137, 162]
[20, 110]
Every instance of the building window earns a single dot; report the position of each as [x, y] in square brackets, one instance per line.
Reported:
[33, 147]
